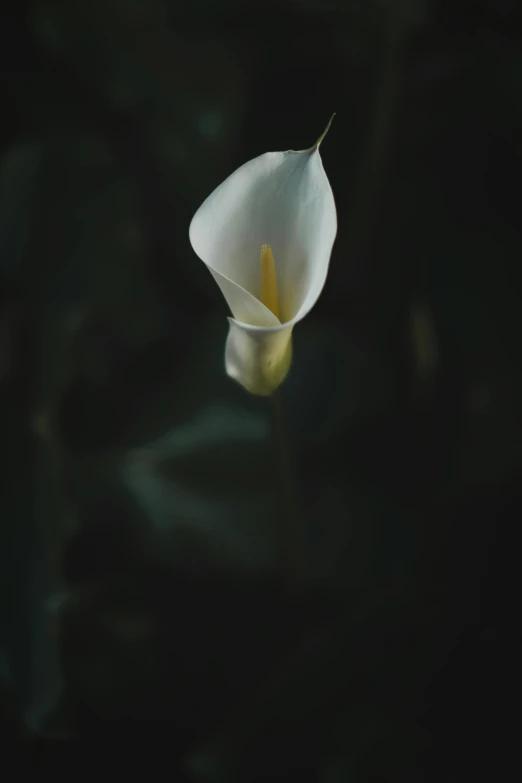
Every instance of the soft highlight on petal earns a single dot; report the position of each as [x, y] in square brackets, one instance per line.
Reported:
[243, 305]
[282, 199]
[258, 358]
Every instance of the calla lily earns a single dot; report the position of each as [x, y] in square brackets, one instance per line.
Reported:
[266, 235]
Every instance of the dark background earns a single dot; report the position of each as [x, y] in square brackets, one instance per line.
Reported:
[146, 622]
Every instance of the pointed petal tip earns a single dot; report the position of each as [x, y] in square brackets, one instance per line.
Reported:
[323, 134]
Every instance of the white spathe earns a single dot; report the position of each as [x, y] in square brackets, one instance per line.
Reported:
[283, 199]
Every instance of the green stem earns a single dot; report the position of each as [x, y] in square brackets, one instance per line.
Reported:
[293, 534]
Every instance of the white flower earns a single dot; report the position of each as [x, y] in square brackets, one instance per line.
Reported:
[266, 235]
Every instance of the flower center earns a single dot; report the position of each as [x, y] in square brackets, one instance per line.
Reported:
[269, 295]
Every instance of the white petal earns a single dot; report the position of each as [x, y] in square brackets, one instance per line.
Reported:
[283, 199]
[258, 358]
[245, 307]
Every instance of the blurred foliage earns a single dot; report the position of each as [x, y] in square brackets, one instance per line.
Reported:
[145, 619]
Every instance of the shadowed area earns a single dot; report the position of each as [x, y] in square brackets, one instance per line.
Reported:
[196, 586]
